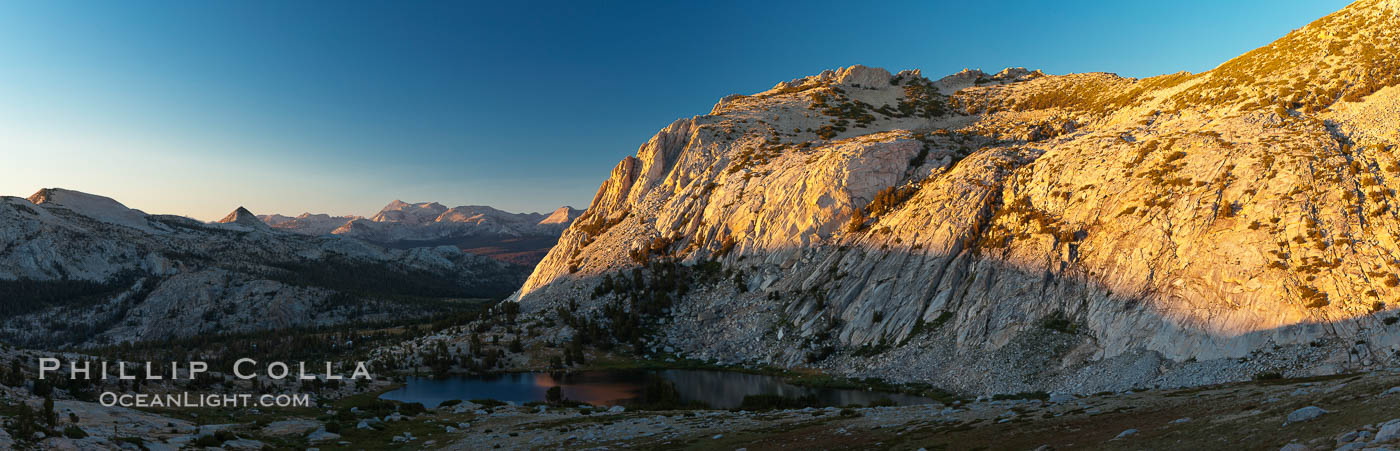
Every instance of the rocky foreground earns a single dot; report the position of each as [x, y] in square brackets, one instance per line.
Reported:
[1342, 412]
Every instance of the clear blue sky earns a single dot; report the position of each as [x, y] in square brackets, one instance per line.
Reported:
[198, 107]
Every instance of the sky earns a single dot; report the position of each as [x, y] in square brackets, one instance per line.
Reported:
[196, 108]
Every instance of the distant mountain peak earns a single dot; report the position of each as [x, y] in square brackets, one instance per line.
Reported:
[562, 215]
[242, 216]
[404, 212]
[275, 219]
[62, 195]
[93, 206]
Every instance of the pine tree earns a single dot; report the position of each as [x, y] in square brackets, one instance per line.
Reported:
[50, 417]
[554, 395]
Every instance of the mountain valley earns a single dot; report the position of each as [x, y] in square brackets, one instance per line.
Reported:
[81, 269]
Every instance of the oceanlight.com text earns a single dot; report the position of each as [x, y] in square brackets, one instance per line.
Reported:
[185, 399]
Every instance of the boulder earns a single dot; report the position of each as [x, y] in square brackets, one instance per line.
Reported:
[243, 444]
[1305, 414]
[284, 428]
[321, 435]
[1390, 431]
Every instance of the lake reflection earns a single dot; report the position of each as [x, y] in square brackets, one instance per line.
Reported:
[718, 389]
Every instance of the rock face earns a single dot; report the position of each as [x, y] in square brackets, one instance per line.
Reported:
[1072, 233]
[520, 238]
[82, 269]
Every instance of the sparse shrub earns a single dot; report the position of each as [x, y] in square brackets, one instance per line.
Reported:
[829, 131]
[554, 395]
[726, 246]
[658, 393]
[1058, 322]
[771, 402]
[821, 353]
[1313, 297]
[412, 409]
[74, 432]
[889, 199]
[207, 441]
[488, 403]
[857, 222]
